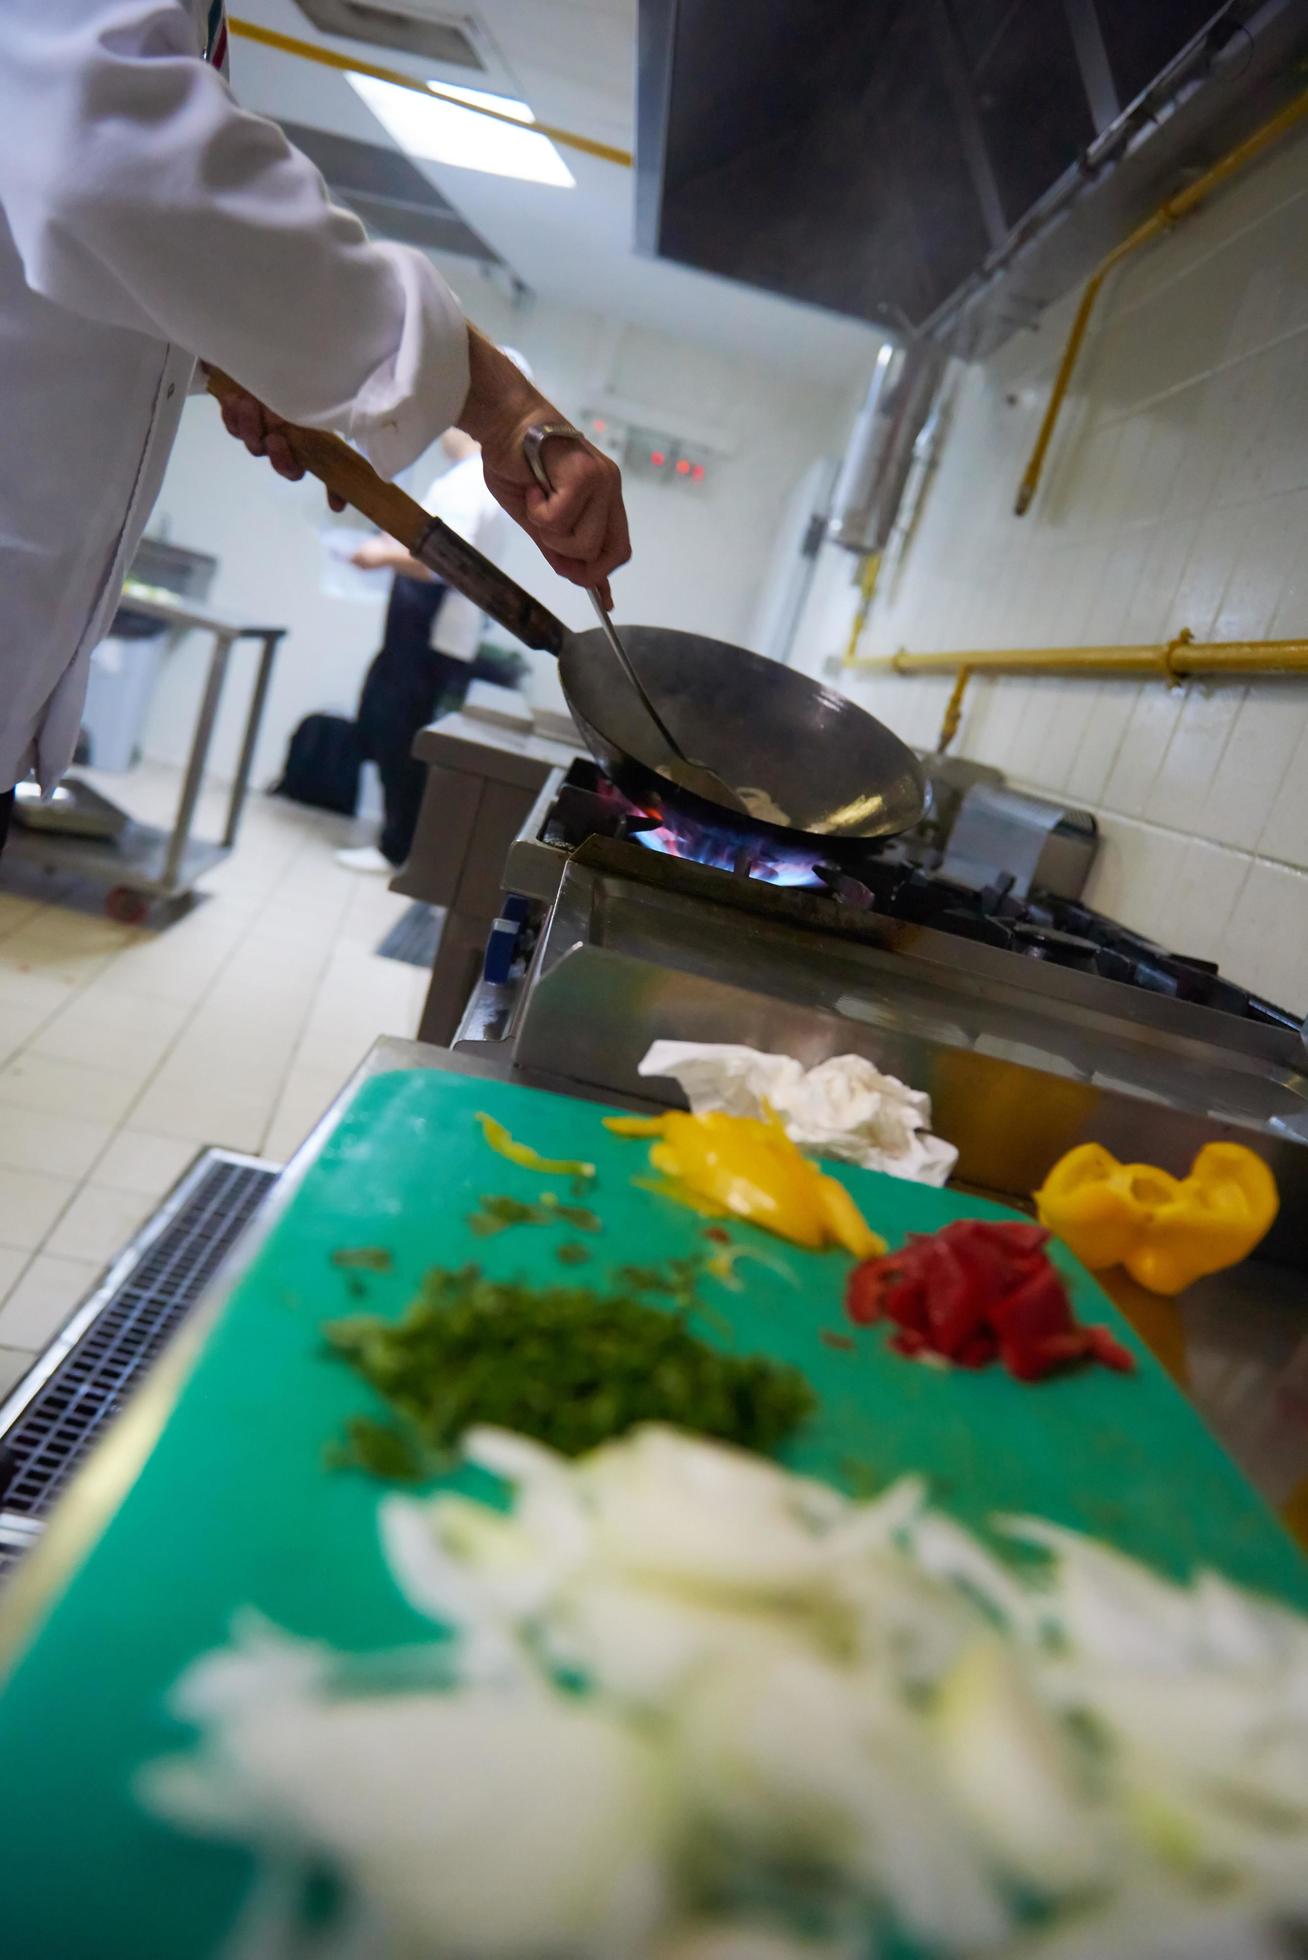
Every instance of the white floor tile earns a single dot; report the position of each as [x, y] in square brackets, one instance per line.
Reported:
[30, 1202]
[91, 1031]
[30, 950]
[14, 1364]
[210, 1115]
[143, 1161]
[334, 1050]
[78, 932]
[308, 1093]
[44, 1083]
[114, 1009]
[97, 1224]
[124, 1052]
[45, 1140]
[43, 1299]
[14, 912]
[12, 1262]
[19, 1026]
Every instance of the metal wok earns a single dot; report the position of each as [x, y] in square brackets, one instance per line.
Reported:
[835, 772]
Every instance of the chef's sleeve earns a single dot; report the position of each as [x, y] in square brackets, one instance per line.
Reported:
[139, 194]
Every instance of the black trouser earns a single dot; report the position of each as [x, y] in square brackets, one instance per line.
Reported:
[406, 687]
[6, 811]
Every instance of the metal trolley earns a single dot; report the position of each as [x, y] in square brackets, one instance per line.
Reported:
[141, 863]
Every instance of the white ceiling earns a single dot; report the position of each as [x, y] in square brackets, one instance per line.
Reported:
[574, 62]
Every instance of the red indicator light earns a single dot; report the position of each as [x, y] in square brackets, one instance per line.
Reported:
[697, 474]
[683, 467]
[657, 457]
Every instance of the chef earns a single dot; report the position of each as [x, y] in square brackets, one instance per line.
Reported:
[145, 221]
[430, 641]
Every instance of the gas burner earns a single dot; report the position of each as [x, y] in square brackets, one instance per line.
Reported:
[726, 850]
[740, 849]
[897, 880]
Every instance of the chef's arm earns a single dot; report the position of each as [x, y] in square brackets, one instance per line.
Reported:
[580, 523]
[138, 194]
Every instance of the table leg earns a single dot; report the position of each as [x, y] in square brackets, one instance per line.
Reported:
[204, 727]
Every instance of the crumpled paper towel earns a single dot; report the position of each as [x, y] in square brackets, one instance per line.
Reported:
[842, 1108]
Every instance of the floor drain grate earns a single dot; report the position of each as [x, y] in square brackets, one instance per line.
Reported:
[127, 1324]
[415, 936]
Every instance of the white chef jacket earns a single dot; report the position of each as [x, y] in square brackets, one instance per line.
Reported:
[145, 220]
[461, 499]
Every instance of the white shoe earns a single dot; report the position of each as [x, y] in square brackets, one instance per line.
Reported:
[365, 858]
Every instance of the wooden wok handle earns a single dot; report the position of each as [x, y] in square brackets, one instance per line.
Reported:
[345, 472]
[350, 476]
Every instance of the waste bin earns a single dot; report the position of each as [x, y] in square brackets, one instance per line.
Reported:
[124, 670]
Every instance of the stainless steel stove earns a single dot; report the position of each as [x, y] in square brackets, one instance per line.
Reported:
[1033, 1022]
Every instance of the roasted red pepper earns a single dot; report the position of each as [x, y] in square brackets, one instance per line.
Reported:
[980, 1290]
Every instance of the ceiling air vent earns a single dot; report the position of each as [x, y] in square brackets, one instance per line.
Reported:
[426, 31]
[393, 198]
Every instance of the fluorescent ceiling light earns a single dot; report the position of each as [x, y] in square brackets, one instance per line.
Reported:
[507, 105]
[436, 130]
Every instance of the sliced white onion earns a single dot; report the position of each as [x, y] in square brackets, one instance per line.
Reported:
[481, 1826]
[1014, 1774]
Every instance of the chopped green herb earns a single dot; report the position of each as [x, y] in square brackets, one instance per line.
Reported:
[678, 1278]
[362, 1258]
[381, 1450]
[581, 1216]
[572, 1254]
[497, 1214]
[569, 1367]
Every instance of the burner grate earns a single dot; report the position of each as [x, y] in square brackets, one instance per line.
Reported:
[179, 1254]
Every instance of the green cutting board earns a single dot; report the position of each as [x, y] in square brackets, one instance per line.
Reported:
[235, 1507]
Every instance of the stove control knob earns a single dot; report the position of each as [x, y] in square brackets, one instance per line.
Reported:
[501, 950]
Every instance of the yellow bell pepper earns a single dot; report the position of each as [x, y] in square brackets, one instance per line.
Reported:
[508, 1146]
[751, 1169]
[1166, 1231]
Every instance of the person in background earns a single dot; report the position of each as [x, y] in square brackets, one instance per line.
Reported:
[145, 221]
[430, 640]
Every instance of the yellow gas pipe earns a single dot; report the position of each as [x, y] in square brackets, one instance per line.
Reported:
[867, 585]
[953, 714]
[1180, 659]
[1166, 215]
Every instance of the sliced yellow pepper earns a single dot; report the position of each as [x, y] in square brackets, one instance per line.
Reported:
[522, 1153]
[751, 1169]
[1166, 1231]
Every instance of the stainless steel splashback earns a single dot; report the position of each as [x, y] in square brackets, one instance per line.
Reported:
[1041, 845]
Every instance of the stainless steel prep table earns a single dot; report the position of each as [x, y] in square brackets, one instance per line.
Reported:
[141, 861]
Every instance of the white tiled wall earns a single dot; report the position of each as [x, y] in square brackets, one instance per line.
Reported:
[1175, 495]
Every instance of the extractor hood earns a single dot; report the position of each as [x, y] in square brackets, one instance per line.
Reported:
[950, 165]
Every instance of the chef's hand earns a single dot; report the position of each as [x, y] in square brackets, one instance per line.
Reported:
[260, 430]
[580, 525]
